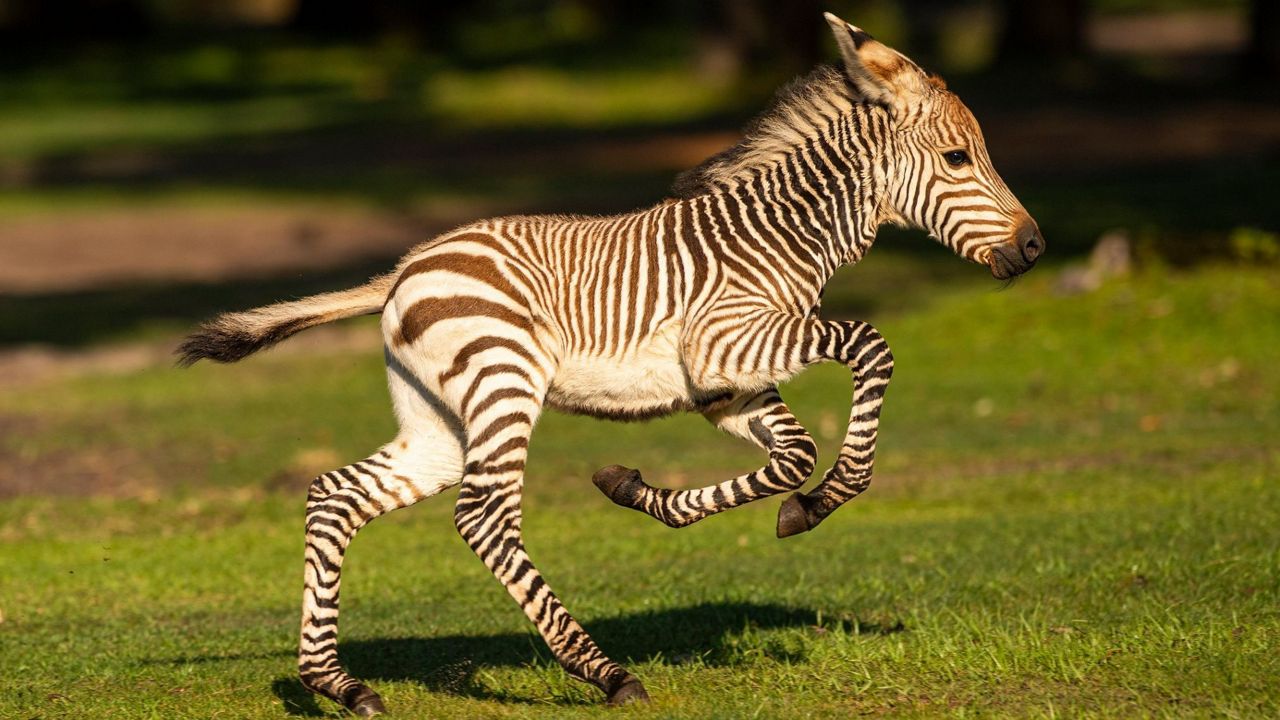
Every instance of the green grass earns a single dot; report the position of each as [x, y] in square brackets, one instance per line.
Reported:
[1073, 515]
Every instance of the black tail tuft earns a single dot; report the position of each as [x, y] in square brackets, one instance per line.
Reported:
[218, 344]
[222, 340]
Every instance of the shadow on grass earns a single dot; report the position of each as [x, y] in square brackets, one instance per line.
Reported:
[712, 634]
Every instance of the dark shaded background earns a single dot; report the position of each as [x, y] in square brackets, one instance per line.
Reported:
[164, 160]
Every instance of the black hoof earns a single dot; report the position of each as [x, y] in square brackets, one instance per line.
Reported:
[369, 707]
[629, 691]
[366, 704]
[794, 516]
[620, 484]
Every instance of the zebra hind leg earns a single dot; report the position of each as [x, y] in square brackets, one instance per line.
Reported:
[762, 419]
[488, 516]
[338, 505]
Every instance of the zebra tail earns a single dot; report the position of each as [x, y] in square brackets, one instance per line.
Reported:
[234, 336]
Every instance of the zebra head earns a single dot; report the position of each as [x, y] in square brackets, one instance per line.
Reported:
[940, 177]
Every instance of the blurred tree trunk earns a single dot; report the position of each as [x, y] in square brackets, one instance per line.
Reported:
[423, 21]
[1263, 59]
[332, 17]
[35, 21]
[1045, 31]
[797, 29]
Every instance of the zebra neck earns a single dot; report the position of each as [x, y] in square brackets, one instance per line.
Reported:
[836, 181]
[779, 240]
[861, 193]
[825, 196]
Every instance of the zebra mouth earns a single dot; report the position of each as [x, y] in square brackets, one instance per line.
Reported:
[999, 269]
[1005, 263]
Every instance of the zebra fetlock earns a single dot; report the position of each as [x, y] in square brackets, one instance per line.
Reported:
[625, 487]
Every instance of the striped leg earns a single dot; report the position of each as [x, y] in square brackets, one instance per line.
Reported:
[488, 518]
[762, 419]
[339, 503]
[865, 351]
[766, 343]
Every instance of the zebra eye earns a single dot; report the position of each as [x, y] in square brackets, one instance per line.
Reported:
[956, 158]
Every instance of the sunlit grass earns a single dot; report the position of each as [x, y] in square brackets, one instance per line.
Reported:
[1073, 515]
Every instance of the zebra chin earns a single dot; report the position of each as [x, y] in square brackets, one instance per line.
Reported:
[1019, 254]
[1003, 260]
[1006, 262]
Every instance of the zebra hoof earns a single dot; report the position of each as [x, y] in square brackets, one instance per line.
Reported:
[369, 708]
[620, 484]
[628, 691]
[367, 705]
[794, 517]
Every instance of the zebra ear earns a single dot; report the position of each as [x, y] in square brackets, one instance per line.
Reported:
[883, 75]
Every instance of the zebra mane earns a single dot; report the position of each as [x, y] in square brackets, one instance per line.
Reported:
[801, 110]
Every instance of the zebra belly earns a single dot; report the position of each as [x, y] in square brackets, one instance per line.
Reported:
[648, 382]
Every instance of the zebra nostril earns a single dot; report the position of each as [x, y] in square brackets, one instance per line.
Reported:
[1029, 240]
[1032, 247]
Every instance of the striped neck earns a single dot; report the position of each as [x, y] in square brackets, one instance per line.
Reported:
[823, 200]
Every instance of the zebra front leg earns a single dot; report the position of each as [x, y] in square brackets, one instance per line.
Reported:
[865, 351]
[338, 505]
[762, 419]
[488, 517]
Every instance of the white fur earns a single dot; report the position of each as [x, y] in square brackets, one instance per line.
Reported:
[651, 377]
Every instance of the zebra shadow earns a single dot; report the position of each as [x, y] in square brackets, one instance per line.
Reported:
[710, 634]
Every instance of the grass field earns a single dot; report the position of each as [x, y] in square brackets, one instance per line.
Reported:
[1075, 514]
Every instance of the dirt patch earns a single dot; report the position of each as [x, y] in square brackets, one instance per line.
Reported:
[116, 472]
[120, 471]
[85, 248]
[34, 364]
[93, 249]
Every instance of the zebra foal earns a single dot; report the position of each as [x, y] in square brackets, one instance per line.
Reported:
[704, 302]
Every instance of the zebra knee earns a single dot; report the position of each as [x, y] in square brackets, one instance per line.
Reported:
[885, 366]
[343, 511]
[326, 485]
[469, 515]
[321, 487]
[797, 456]
[873, 353]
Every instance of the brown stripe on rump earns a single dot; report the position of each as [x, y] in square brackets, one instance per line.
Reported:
[423, 314]
[478, 267]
